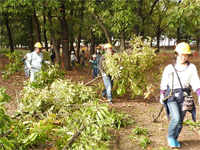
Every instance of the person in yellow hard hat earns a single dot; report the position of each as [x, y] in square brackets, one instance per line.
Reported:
[107, 79]
[34, 61]
[180, 77]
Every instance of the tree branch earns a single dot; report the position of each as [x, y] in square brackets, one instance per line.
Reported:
[152, 7]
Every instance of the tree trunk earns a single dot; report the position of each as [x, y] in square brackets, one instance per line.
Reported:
[158, 41]
[122, 46]
[105, 31]
[45, 35]
[138, 11]
[92, 47]
[9, 33]
[57, 51]
[65, 39]
[80, 30]
[198, 40]
[178, 35]
[31, 43]
[37, 28]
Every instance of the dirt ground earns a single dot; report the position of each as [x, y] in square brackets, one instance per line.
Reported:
[140, 109]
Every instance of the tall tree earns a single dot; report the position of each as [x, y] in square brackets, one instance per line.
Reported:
[65, 38]
[9, 32]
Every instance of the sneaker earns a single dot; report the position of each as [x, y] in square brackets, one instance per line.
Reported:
[177, 143]
[171, 142]
[110, 101]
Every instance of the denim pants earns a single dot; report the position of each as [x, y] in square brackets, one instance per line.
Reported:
[94, 73]
[177, 116]
[108, 85]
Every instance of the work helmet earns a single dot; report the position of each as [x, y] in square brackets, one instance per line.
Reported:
[94, 56]
[38, 45]
[72, 52]
[183, 48]
[83, 49]
[107, 46]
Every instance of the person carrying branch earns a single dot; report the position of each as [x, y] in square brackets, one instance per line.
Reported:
[184, 76]
[107, 79]
[34, 61]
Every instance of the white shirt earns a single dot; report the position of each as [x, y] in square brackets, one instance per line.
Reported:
[73, 57]
[188, 77]
[34, 60]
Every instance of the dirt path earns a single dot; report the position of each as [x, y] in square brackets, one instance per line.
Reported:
[141, 110]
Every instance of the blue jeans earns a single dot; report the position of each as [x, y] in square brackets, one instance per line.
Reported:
[177, 116]
[94, 73]
[108, 85]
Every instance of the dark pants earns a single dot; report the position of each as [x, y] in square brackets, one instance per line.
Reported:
[94, 73]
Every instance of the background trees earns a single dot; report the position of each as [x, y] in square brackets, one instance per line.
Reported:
[68, 23]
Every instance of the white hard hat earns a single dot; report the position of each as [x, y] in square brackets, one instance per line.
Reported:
[72, 52]
[94, 55]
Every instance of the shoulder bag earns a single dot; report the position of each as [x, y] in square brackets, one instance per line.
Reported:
[187, 100]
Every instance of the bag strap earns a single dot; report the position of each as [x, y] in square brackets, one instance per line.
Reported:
[177, 76]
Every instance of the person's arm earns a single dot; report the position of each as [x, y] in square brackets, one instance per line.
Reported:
[28, 60]
[101, 68]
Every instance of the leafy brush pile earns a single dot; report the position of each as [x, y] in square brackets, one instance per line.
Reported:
[65, 114]
[15, 63]
[131, 68]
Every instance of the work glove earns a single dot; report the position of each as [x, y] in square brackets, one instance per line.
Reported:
[121, 68]
[161, 98]
[199, 99]
[104, 75]
[91, 61]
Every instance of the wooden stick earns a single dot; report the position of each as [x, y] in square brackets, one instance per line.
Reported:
[93, 80]
[74, 137]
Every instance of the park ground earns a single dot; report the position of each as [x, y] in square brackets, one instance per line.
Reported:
[141, 111]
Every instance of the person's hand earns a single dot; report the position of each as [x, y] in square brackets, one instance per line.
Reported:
[91, 61]
[199, 100]
[161, 98]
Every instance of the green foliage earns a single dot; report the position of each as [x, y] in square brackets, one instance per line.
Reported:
[192, 124]
[130, 69]
[47, 75]
[14, 65]
[5, 121]
[141, 137]
[61, 110]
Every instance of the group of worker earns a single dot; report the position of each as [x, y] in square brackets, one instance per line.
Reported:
[33, 64]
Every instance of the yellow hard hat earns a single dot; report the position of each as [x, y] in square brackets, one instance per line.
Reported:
[107, 46]
[38, 45]
[83, 49]
[183, 48]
